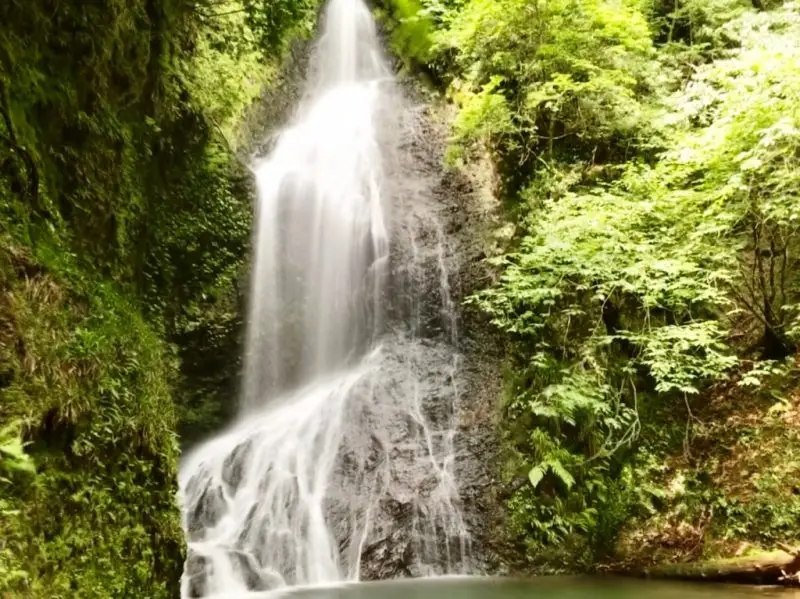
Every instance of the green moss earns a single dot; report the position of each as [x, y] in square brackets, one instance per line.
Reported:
[124, 225]
[89, 381]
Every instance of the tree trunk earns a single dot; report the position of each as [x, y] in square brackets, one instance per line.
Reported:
[776, 567]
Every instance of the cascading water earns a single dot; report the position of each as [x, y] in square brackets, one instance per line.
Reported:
[343, 453]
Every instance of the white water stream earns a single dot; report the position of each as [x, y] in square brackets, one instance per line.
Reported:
[344, 447]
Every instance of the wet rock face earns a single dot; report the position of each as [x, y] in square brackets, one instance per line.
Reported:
[198, 570]
[194, 573]
[389, 557]
[393, 513]
[436, 263]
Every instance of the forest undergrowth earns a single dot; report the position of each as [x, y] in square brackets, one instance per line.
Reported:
[647, 154]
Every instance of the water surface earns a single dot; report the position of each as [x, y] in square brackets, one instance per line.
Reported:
[541, 588]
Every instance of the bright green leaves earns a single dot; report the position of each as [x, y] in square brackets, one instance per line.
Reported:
[736, 147]
[275, 21]
[561, 473]
[483, 116]
[569, 71]
[683, 358]
[553, 466]
[632, 286]
[12, 451]
[410, 27]
[536, 474]
[266, 25]
[635, 282]
[92, 383]
[226, 70]
[596, 251]
[237, 51]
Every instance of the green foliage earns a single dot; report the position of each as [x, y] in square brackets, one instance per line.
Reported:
[645, 271]
[226, 71]
[194, 275]
[695, 23]
[728, 480]
[124, 224]
[547, 72]
[410, 30]
[742, 161]
[13, 462]
[611, 300]
[67, 63]
[12, 451]
[483, 116]
[275, 21]
[87, 380]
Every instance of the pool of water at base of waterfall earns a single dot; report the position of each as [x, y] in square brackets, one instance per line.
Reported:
[545, 587]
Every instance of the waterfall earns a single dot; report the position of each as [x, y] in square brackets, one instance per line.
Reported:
[342, 456]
